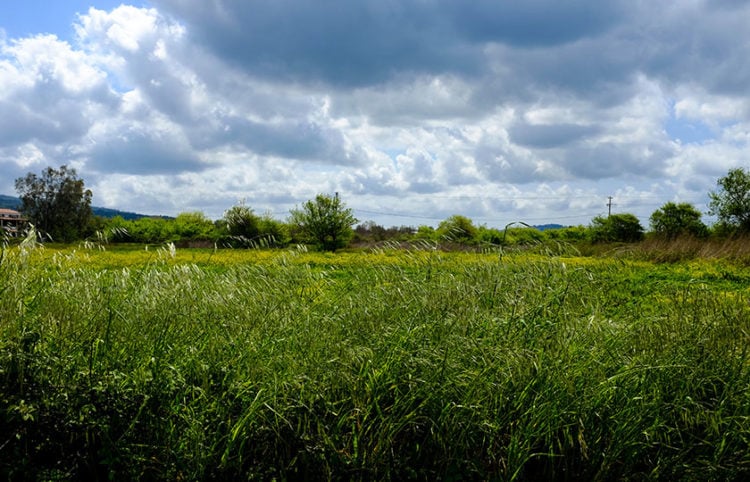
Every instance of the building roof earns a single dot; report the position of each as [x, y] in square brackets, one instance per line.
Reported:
[6, 213]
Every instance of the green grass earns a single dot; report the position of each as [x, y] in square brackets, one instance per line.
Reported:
[206, 365]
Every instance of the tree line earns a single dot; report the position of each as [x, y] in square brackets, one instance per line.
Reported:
[58, 205]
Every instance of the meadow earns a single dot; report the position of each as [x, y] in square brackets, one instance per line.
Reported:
[123, 363]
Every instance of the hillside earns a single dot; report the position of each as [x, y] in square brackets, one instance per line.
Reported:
[11, 202]
[543, 227]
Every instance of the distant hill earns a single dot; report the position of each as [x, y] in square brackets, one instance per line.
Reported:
[11, 202]
[543, 227]
[110, 213]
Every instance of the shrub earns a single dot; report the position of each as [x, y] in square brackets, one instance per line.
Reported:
[616, 228]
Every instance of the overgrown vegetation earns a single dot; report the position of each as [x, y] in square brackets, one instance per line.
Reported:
[169, 364]
[58, 207]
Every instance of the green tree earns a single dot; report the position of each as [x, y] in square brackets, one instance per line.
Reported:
[425, 232]
[522, 235]
[57, 203]
[119, 228]
[194, 225]
[149, 230]
[673, 220]
[241, 222]
[324, 221]
[272, 231]
[731, 203]
[568, 233]
[489, 235]
[457, 228]
[617, 227]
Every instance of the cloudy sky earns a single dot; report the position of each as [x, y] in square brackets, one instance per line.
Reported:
[413, 110]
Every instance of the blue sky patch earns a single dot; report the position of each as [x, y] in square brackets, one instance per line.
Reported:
[689, 131]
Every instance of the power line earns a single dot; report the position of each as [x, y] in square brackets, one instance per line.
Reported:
[400, 215]
[531, 197]
[477, 218]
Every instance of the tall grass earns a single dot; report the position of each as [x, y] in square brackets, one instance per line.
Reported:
[735, 249]
[412, 365]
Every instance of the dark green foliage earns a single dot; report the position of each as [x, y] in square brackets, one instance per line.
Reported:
[569, 234]
[731, 203]
[56, 203]
[673, 220]
[426, 233]
[324, 221]
[523, 236]
[241, 222]
[492, 236]
[616, 228]
[246, 229]
[272, 232]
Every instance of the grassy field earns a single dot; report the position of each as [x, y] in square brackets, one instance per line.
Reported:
[166, 364]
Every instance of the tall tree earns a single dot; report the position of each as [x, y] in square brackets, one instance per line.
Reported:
[731, 203]
[673, 220]
[324, 221]
[57, 203]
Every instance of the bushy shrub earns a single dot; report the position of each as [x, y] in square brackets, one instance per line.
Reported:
[569, 234]
[673, 220]
[457, 228]
[616, 228]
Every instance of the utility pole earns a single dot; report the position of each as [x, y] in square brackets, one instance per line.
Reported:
[609, 206]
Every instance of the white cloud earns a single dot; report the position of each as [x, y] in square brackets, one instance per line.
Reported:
[420, 110]
[713, 110]
[46, 58]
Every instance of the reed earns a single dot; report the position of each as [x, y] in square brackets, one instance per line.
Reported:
[389, 364]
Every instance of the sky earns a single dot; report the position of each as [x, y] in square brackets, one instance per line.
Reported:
[412, 110]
